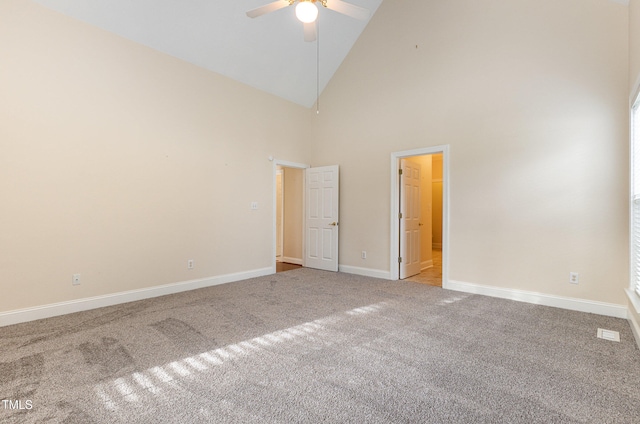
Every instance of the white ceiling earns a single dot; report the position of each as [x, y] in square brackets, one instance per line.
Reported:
[268, 53]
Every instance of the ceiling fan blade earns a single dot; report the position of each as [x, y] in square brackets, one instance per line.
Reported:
[349, 9]
[267, 8]
[310, 31]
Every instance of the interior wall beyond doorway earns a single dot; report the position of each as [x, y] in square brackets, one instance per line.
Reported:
[279, 213]
[293, 179]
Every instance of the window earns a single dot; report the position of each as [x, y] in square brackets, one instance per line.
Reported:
[635, 195]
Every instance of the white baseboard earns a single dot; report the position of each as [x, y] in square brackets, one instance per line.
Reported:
[295, 261]
[635, 328]
[426, 265]
[62, 308]
[366, 272]
[634, 309]
[582, 305]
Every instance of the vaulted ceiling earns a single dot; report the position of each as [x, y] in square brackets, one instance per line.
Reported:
[268, 53]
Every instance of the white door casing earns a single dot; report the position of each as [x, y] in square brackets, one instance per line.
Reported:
[409, 218]
[321, 217]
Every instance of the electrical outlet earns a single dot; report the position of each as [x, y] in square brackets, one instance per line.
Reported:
[190, 264]
[75, 280]
[254, 206]
[574, 277]
[364, 254]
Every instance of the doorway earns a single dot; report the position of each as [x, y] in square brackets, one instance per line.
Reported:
[420, 220]
[419, 216]
[305, 229]
[289, 201]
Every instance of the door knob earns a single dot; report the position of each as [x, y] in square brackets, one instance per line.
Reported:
[334, 224]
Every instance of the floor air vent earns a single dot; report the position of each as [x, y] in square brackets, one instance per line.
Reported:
[614, 336]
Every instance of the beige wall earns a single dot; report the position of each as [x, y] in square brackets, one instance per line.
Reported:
[293, 213]
[531, 97]
[634, 43]
[121, 163]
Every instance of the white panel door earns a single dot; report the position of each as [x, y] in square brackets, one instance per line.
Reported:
[409, 218]
[321, 220]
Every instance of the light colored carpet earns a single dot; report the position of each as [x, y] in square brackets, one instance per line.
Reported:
[313, 346]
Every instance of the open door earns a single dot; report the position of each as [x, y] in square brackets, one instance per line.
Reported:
[409, 218]
[321, 218]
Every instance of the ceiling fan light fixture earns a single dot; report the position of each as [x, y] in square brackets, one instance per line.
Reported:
[306, 12]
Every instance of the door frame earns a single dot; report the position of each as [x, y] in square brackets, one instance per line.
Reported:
[394, 269]
[286, 164]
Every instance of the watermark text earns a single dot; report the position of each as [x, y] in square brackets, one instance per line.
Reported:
[17, 404]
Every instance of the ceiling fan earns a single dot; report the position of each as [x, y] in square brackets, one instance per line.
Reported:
[307, 12]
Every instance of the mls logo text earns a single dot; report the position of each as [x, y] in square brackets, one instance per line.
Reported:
[17, 404]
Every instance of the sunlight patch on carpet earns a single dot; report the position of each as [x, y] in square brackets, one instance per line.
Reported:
[452, 300]
[151, 381]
